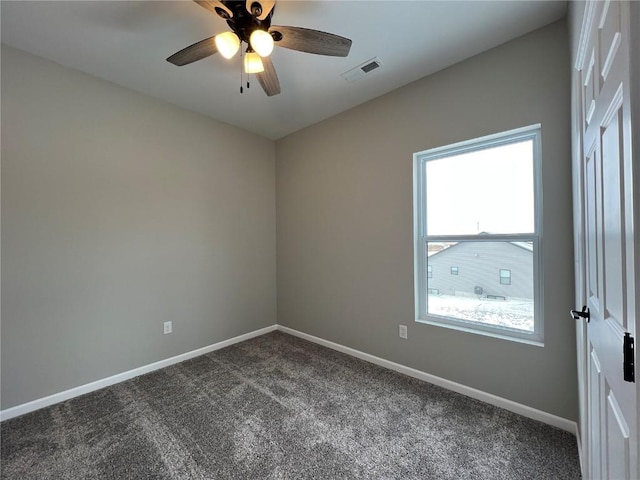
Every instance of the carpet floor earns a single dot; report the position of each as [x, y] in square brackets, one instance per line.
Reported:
[277, 406]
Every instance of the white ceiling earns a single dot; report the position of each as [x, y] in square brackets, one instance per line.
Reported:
[127, 43]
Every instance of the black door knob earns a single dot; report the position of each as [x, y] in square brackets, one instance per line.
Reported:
[584, 313]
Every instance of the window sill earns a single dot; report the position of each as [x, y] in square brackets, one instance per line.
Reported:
[532, 340]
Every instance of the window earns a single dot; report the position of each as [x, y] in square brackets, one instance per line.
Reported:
[490, 221]
[505, 277]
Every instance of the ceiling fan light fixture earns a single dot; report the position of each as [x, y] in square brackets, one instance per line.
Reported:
[250, 23]
[261, 42]
[253, 63]
[227, 44]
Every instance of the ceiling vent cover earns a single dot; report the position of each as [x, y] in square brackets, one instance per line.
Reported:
[361, 70]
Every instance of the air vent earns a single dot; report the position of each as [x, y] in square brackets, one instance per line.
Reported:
[361, 70]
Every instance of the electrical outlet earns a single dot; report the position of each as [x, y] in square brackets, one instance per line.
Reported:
[402, 331]
[168, 327]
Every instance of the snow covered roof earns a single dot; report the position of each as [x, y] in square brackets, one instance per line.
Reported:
[528, 246]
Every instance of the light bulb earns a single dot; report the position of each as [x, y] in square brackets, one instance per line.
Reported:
[253, 63]
[227, 44]
[261, 42]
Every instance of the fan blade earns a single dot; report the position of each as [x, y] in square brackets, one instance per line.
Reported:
[211, 5]
[266, 5]
[269, 78]
[311, 41]
[192, 53]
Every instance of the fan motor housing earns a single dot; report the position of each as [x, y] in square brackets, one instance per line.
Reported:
[244, 23]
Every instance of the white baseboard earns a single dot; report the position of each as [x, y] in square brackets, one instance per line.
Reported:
[489, 398]
[121, 377]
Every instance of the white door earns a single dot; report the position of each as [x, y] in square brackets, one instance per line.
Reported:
[609, 271]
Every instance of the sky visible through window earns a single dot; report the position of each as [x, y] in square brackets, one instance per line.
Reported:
[489, 190]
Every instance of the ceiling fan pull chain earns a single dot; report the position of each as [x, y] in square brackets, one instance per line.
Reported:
[241, 89]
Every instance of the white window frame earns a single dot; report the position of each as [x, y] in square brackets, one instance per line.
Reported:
[420, 159]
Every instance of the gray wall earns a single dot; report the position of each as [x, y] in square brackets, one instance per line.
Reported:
[344, 220]
[120, 212]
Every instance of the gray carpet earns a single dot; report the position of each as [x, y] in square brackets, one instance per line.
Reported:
[280, 407]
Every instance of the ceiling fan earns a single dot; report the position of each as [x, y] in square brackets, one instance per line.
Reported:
[250, 22]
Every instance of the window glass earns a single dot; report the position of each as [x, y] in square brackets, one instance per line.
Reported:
[505, 277]
[493, 191]
[476, 296]
[487, 224]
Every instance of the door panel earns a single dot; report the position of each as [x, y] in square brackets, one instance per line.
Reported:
[596, 394]
[590, 79]
[609, 35]
[609, 233]
[618, 434]
[591, 223]
[613, 225]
